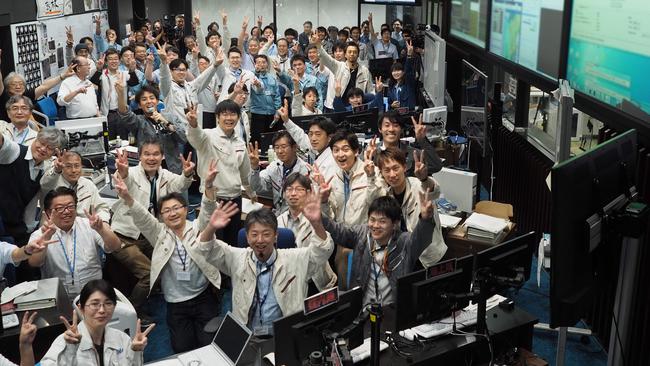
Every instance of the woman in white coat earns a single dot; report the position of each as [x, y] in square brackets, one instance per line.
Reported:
[91, 342]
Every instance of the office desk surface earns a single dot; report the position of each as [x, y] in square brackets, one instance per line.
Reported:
[49, 327]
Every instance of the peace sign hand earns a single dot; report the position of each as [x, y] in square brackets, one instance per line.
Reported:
[47, 231]
[212, 174]
[68, 35]
[100, 63]
[96, 223]
[313, 39]
[122, 163]
[58, 163]
[368, 155]
[283, 112]
[27, 329]
[419, 128]
[379, 86]
[161, 53]
[188, 165]
[420, 168]
[426, 206]
[254, 155]
[311, 208]
[139, 342]
[191, 116]
[409, 48]
[71, 335]
[122, 190]
[38, 245]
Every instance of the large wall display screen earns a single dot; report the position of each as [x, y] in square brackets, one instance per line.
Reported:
[468, 20]
[529, 33]
[609, 53]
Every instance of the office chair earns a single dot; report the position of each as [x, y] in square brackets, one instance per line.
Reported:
[49, 108]
[286, 239]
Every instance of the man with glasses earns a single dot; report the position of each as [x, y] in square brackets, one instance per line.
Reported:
[185, 274]
[271, 180]
[19, 129]
[77, 94]
[147, 182]
[76, 258]
[21, 169]
[234, 73]
[66, 172]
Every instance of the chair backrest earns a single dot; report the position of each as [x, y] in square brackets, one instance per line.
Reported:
[286, 239]
[49, 108]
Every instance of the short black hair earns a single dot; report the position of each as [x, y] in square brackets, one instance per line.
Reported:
[262, 216]
[302, 179]
[269, 27]
[312, 46]
[150, 140]
[352, 44]
[283, 134]
[324, 124]
[407, 32]
[58, 192]
[231, 88]
[345, 135]
[282, 39]
[338, 46]
[93, 286]
[354, 92]
[213, 24]
[393, 117]
[344, 32]
[235, 50]
[201, 57]
[321, 29]
[178, 62]
[139, 44]
[308, 22]
[211, 34]
[387, 206]
[291, 32]
[84, 39]
[298, 57]
[228, 106]
[173, 49]
[260, 56]
[111, 51]
[147, 89]
[353, 28]
[171, 196]
[391, 153]
[310, 89]
[126, 49]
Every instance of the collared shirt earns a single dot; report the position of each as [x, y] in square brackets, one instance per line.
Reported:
[76, 249]
[271, 180]
[265, 307]
[384, 295]
[383, 50]
[83, 105]
[175, 290]
[24, 137]
[87, 193]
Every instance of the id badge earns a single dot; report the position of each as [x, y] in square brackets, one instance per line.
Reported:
[183, 276]
[382, 53]
[72, 285]
[268, 93]
[262, 331]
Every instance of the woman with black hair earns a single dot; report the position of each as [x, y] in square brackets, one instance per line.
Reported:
[402, 87]
[91, 342]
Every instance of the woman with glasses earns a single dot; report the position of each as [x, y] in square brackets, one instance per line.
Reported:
[185, 274]
[75, 257]
[90, 341]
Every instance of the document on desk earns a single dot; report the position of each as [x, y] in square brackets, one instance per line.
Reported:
[486, 223]
[248, 206]
[20, 289]
[448, 221]
[44, 296]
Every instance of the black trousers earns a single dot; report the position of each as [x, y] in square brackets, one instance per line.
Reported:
[186, 321]
[230, 232]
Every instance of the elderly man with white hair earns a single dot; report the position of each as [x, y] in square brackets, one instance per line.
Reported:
[77, 94]
[20, 128]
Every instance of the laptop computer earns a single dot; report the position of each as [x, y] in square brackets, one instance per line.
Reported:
[226, 348]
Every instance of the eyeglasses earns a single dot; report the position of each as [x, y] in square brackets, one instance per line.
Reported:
[169, 210]
[180, 70]
[15, 108]
[72, 166]
[295, 189]
[97, 305]
[281, 147]
[69, 208]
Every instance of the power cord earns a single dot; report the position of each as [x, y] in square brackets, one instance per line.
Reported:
[618, 338]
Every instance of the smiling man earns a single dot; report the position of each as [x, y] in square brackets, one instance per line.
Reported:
[268, 283]
[315, 142]
[224, 146]
[76, 259]
[19, 109]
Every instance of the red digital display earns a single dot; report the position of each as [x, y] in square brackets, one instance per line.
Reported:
[321, 300]
[442, 268]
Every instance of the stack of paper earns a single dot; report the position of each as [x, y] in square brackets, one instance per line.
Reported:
[485, 228]
[22, 288]
[44, 296]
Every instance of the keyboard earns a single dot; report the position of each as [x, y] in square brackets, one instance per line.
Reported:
[363, 351]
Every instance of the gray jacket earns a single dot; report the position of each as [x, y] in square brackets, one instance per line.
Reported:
[406, 245]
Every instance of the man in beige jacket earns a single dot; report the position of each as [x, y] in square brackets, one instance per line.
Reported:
[268, 283]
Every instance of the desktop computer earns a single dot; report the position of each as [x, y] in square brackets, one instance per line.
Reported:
[458, 187]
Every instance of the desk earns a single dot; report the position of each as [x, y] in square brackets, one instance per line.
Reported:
[49, 327]
[458, 245]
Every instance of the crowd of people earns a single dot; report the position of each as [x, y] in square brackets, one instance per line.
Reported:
[198, 105]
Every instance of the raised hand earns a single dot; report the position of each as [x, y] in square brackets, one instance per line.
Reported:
[244, 23]
[224, 17]
[313, 38]
[294, 48]
[379, 86]
[338, 89]
[69, 71]
[58, 163]
[95, 221]
[101, 62]
[260, 21]
[254, 154]
[419, 128]
[368, 156]
[283, 112]
[212, 174]
[426, 206]
[369, 17]
[40, 244]
[71, 335]
[409, 48]
[188, 165]
[27, 329]
[311, 208]
[47, 231]
[68, 35]
[139, 342]
[420, 168]
[150, 39]
[161, 53]
[319, 179]
[119, 85]
[221, 216]
[276, 66]
[197, 18]
[192, 117]
[257, 82]
[122, 163]
[295, 78]
[220, 56]
[122, 190]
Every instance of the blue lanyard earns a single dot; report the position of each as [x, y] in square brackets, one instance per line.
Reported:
[25, 133]
[183, 259]
[260, 303]
[74, 253]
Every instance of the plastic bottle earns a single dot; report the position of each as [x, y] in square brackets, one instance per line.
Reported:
[271, 154]
[118, 141]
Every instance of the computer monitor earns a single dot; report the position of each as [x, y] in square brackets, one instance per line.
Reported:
[381, 67]
[363, 122]
[419, 294]
[504, 260]
[297, 335]
[473, 113]
[435, 71]
[582, 189]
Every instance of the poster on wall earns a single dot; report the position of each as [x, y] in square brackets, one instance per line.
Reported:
[67, 7]
[91, 5]
[49, 9]
[103, 4]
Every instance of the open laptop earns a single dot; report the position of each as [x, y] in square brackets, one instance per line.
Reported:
[226, 348]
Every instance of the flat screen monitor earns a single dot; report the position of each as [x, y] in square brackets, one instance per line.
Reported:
[393, 2]
[528, 33]
[582, 187]
[358, 122]
[435, 50]
[473, 116]
[504, 260]
[418, 297]
[381, 67]
[609, 54]
[302, 334]
[469, 21]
